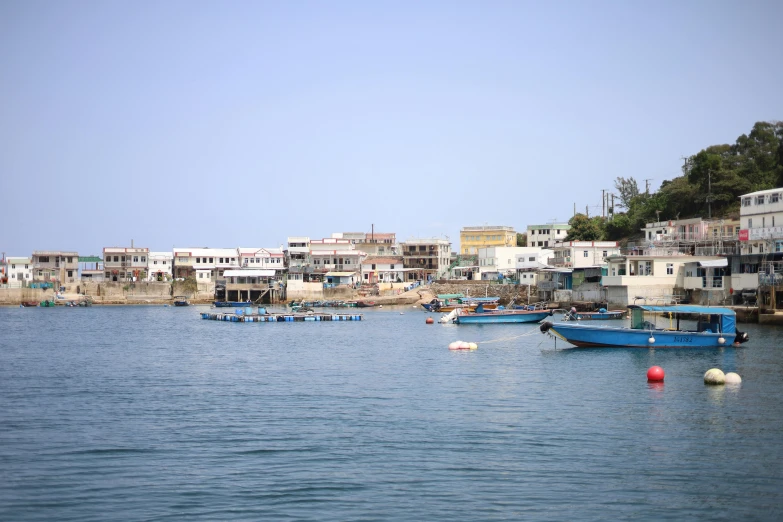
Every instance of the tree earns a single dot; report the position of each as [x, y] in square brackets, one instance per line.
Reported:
[627, 190]
[584, 228]
[521, 240]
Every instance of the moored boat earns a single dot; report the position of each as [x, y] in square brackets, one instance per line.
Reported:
[181, 300]
[440, 304]
[482, 316]
[600, 315]
[715, 327]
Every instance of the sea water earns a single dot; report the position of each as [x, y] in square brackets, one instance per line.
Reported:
[150, 413]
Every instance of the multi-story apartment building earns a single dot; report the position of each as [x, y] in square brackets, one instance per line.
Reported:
[19, 271]
[125, 264]
[473, 238]
[262, 258]
[502, 261]
[429, 257]
[761, 221]
[55, 266]
[545, 236]
[582, 254]
[298, 251]
[207, 265]
[161, 266]
[372, 243]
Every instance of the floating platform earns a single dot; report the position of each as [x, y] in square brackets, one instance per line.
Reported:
[278, 318]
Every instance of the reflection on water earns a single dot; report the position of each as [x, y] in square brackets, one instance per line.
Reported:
[152, 413]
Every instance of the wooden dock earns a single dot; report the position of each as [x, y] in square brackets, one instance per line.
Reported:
[278, 318]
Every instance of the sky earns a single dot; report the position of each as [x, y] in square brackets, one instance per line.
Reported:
[225, 124]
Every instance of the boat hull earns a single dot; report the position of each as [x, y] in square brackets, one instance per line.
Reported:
[593, 336]
[598, 316]
[503, 317]
[451, 308]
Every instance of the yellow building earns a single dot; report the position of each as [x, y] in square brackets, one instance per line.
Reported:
[473, 238]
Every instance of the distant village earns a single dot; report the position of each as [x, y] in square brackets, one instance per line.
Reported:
[700, 261]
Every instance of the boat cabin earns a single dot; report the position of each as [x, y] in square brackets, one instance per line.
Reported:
[709, 319]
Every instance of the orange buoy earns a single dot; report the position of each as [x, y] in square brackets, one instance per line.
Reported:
[429, 320]
[655, 374]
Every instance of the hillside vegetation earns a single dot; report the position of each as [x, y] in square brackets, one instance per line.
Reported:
[718, 174]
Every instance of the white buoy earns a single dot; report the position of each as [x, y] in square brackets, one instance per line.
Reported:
[464, 345]
[721, 340]
[454, 345]
[714, 376]
[732, 378]
[651, 340]
[402, 313]
[474, 346]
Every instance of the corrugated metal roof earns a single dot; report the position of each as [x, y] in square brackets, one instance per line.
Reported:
[89, 259]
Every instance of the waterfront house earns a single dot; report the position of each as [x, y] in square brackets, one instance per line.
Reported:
[661, 279]
[429, 258]
[380, 269]
[19, 271]
[125, 264]
[581, 254]
[258, 285]
[263, 258]
[91, 269]
[471, 239]
[372, 243]
[161, 266]
[55, 266]
[545, 236]
[529, 262]
[206, 265]
[501, 262]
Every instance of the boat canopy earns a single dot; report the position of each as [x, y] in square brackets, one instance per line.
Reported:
[686, 309]
[718, 319]
[450, 296]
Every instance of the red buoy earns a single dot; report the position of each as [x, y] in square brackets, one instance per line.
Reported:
[429, 320]
[655, 374]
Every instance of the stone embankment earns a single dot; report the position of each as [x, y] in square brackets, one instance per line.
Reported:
[506, 293]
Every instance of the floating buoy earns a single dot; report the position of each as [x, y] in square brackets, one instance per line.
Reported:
[462, 345]
[732, 378]
[474, 346]
[655, 374]
[454, 345]
[429, 320]
[714, 376]
[721, 340]
[651, 340]
[380, 306]
[402, 313]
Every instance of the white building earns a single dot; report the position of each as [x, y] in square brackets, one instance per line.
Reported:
[583, 254]
[660, 279]
[206, 264]
[161, 266]
[298, 251]
[761, 221]
[126, 264]
[19, 271]
[545, 236]
[502, 261]
[379, 269]
[262, 258]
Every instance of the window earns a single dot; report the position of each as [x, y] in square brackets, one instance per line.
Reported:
[108, 275]
[750, 222]
[585, 253]
[200, 275]
[43, 259]
[70, 273]
[27, 266]
[761, 248]
[122, 259]
[163, 262]
[774, 198]
[135, 259]
[746, 202]
[531, 258]
[155, 262]
[392, 267]
[70, 260]
[116, 259]
[13, 266]
[143, 259]
[760, 200]
[211, 259]
[763, 222]
[669, 268]
[606, 253]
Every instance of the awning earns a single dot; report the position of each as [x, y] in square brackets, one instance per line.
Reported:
[250, 272]
[714, 263]
[340, 274]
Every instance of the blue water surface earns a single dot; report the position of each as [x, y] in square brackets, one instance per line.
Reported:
[150, 413]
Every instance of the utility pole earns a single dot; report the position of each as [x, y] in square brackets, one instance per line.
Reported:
[709, 194]
[587, 211]
[647, 186]
[574, 209]
[603, 203]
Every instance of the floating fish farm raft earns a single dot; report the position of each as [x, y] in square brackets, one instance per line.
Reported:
[248, 316]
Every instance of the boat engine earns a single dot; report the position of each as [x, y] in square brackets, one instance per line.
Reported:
[545, 326]
[741, 337]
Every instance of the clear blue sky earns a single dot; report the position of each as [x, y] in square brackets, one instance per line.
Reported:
[228, 124]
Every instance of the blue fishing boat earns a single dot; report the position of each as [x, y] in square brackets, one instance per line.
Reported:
[482, 316]
[231, 304]
[714, 327]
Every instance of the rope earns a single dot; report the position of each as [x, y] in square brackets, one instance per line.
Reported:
[502, 339]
